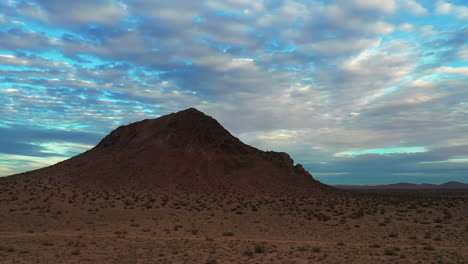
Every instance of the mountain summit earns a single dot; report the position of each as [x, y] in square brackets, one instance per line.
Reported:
[186, 128]
[188, 149]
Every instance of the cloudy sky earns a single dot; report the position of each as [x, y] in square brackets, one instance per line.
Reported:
[358, 91]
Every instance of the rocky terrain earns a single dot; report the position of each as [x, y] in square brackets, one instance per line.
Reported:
[182, 189]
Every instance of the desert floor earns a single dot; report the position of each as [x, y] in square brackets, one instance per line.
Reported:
[48, 224]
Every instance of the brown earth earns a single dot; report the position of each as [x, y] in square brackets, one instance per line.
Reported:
[187, 149]
[181, 189]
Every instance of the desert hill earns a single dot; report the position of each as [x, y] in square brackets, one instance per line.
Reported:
[187, 149]
[182, 189]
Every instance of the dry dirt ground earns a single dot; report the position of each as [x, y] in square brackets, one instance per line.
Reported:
[51, 224]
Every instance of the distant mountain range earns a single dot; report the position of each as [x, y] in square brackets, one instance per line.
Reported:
[407, 186]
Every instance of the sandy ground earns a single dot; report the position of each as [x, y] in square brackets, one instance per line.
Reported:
[49, 224]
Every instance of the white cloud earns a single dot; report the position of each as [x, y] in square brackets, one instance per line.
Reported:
[31, 62]
[428, 31]
[380, 27]
[336, 46]
[10, 91]
[345, 18]
[413, 7]
[463, 71]
[246, 64]
[422, 83]
[443, 7]
[405, 27]
[446, 8]
[463, 53]
[376, 63]
[387, 6]
[30, 163]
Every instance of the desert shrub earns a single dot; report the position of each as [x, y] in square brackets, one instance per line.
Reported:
[428, 247]
[316, 249]
[228, 234]
[447, 214]
[259, 248]
[302, 249]
[248, 253]
[211, 261]
[358, 214]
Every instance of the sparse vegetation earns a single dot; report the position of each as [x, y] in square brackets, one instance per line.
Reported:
[184, 228]
[228, 234]
[211, 261]
[259, 248]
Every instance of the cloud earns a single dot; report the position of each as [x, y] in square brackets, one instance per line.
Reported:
[31, 61]
[413, 7]
[33, 11]
[402, 167]
[335, 46]
[447, 8]
[463, 53]
[106, 12]
[313, 78]
[386, 6]
[11, 164]
[381, 151]
[17, 39]
[37, 134]
[405, 27]
[463, 71]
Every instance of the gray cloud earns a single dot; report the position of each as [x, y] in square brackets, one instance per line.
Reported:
[311, 78]
[17, 39]
[75, 13]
